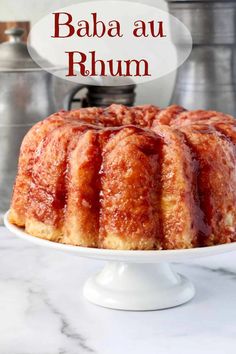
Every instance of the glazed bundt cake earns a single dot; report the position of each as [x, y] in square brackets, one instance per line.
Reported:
[129, 178]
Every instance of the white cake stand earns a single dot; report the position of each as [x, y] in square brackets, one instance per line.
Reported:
[133, 280]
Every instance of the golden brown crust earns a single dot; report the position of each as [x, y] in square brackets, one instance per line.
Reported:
[26, 161]
[179, 210]
[47, 193]
[167, 115]
[129, 204]
[129, 178]
[229, 130]
[114, 115]
[201, 116]
[81, 226]
[216, 182]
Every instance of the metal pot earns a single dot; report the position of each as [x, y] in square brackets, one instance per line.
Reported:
[207, 79]
[26, 96]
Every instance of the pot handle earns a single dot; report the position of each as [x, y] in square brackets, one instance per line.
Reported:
[70, 95]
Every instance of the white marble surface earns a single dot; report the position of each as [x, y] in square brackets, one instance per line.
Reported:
[42, 310]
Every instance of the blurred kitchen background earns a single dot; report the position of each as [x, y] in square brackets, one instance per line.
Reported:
[156, 92]
[206, 80]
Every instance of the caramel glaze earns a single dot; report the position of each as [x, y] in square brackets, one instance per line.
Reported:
[114, 115]
[179, 211]
[81, 224]
[201, 116]
[167, 115]
[130, 188]
[48, 202]
[47, 197]
[77, 173]
[26, 162]
[216, 163]
[228, 130]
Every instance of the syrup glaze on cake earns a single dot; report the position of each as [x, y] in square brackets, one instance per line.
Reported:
[129, 178]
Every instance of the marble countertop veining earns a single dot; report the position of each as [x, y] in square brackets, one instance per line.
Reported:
[42, 310]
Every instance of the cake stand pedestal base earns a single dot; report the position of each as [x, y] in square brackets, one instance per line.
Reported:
[133, 280]
[138, 287]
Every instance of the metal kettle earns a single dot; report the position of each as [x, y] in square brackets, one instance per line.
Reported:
[26, 96]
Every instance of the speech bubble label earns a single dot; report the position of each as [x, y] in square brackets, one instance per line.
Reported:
[110, 43]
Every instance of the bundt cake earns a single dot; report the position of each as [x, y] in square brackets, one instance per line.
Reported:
[134, 178]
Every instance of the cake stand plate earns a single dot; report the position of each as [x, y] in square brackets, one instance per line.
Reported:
[133, 280]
